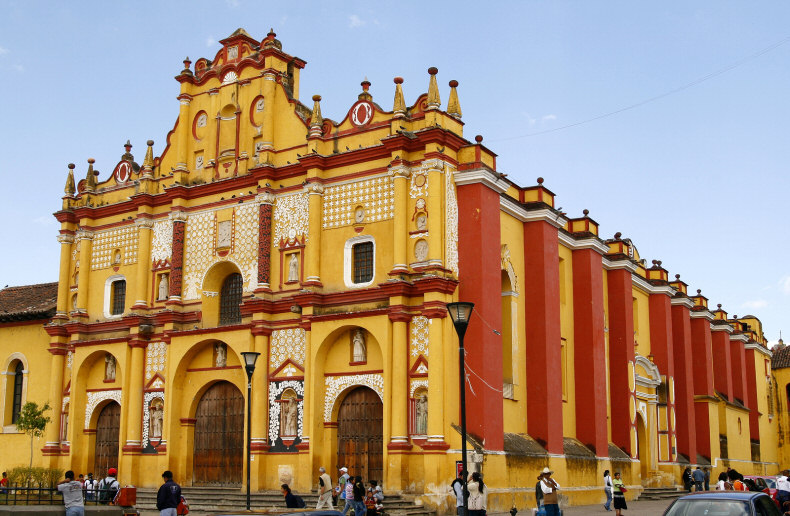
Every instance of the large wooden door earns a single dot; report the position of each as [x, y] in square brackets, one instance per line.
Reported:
[219, 436]
[360, 434]
[107, 434]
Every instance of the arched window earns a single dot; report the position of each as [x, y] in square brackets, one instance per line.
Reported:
[230, 300]
[16, 404]
[114, 296]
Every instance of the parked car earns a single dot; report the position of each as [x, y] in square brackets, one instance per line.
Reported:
[724, 503]
[767, 484]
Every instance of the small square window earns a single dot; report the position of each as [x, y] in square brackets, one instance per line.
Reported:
[363, 262]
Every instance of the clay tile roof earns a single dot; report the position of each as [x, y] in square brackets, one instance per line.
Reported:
[28, 302]
[780, 358]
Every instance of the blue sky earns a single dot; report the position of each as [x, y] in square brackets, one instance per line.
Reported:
[697, 178]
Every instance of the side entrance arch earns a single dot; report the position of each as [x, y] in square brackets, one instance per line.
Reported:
[219, 436]
[360, 434]
[107, 435]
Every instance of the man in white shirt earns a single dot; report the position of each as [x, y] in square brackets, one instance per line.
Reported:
[550, 488]
[72, 495]
[783, 487]
[324, 490]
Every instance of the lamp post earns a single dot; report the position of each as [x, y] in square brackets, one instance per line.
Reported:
[249, 365]
[460, 313]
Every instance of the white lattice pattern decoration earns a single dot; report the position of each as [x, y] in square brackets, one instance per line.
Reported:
[286, 344]
[245, 244]
[419, 335]
[275, 391]
[416, 384]
[290, 217]
[162, 240]
[155, 355]
[451, 224]
[418, 184]
[337, 384]
[105, 243]
[96, 397]
[376, 196]
[198, 252]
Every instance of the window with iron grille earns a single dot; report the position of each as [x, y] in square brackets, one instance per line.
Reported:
[230, 300]
[118, 297]
[363, 262]
[16, 407]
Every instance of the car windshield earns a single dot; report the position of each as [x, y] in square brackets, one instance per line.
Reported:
[771, 482]
[707, 507]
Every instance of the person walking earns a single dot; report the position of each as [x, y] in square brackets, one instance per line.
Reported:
[699, 479]
[619, 494]
[539, 492]
[783, 487]
[90, 488]
[291, 502]
[342, 481]
[707, 478]
[324, 490]
[607, 487]
[358, 492]
[169, 495]
[549, 486]
[72, 495]
[477, 495]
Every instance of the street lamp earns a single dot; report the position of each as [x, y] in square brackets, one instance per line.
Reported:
[460, 313]
[249, 365]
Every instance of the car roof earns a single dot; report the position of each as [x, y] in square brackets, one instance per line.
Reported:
[724, 495]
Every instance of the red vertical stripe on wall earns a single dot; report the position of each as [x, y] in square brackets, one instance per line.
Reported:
[722, 363]
[738, 359]
[621, 352]
[751, 393]
[479, 263]
[684, 382]
[542, 320]
[589, 351]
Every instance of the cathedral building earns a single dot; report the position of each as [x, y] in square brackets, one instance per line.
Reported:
[331, 248]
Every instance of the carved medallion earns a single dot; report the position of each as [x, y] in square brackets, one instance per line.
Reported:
[361, 113]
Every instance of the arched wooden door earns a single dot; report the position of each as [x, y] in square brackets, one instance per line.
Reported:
[360, 434]
[107, 434]
[219, 436]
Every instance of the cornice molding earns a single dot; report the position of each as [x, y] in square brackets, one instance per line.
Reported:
[702, 314]
[740, 337]
[481, 175]
[575, 244]
[618, 264]
[682, 301]
[760, 349]
[512, 208]
[722, 327]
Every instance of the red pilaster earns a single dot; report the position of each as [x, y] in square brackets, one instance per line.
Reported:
[621, 355]
[589, 350]
[684, 381]
[751, 393]
[542, 320]
[722, 363]
[738, 359]
[479, 263]
[702, 359]
[177, 261]
[264, 243]
[663, 357]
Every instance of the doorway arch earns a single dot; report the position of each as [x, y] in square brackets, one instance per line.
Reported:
[643, 451]
[360, 434]
[219, 436]
[108, 427]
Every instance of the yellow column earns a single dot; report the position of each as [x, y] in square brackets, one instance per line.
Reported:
[310, 424]
[260, 411]
[185, 129]
[436, 379]
[267, 131]
[399, 392]
[64, 280]
[134, 412]
[435, 215]
[142, 283]
[313, 270]
[400, 224]
[85, 239]
[52, 432]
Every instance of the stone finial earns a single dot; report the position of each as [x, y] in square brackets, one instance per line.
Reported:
[148, 162]
[699, 291]
[453, 106]
[677, 277]
[399, 104]
[90, 177]
[316, 120]
[659, 262]
[585, 212]
[540, 180]
[479, 138]
[618, 235]
[365, 95]
[70, 189]
[434, 101]
[127, 156]
[186, 70]
[719, 306]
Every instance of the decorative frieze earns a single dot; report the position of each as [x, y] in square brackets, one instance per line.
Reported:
[96, 397]
[373, 198]
[291, 217]
[285, 344]
[419, 336]
[337, 384]
[114, 247]
[276, 390]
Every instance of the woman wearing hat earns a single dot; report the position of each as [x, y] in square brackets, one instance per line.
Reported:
[550, 489]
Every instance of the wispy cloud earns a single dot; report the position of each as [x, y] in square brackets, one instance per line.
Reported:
[355, 21]
[19, 68]
[210, 42]
[533, 121]
[233, 3]
[45, 220]
[755, 304]
[4, 50]
[784, 284]
[546, 118]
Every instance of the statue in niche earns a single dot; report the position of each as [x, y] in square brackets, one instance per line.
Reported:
[293, 268]
[164, 287]
[358, 346]
[220, 355]
[109, 367]
[116, 257]
[290, 416]
[156, 416]
[421, 415]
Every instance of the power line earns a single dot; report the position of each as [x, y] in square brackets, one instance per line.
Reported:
[686, 86]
